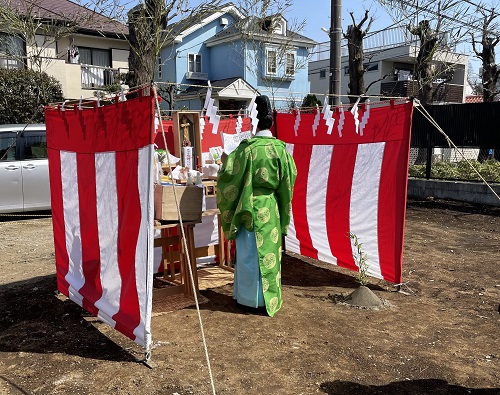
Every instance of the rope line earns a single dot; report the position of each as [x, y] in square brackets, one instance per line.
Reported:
[266, 88]
[205, 348]
[89, 101]
[427, 116]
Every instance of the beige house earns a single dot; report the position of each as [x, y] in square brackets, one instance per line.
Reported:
[86, 54]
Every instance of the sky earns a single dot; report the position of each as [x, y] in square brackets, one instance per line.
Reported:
[316, 15]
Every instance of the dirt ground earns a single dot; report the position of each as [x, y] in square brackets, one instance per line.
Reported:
[441, 335]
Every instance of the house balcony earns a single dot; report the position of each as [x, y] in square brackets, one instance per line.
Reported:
[98, 76]
[449, 93]
[193, 75]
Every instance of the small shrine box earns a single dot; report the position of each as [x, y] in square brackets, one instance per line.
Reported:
[190, 203]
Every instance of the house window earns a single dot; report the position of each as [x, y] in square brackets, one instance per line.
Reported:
[290, 64]
[322, 73]
[159, 67]
[12, 52]
[367, 66]
[194, 63]
[95, 57]
[96, 68]
[271, 61]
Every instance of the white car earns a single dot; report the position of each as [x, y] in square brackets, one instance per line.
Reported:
[24, 168]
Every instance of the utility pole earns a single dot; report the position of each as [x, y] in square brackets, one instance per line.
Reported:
[335, 52]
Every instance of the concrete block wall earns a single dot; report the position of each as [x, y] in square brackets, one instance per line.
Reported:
[470, 192]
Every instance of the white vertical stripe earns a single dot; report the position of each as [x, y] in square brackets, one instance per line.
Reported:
[317, 184]
[291, 242]
[107, 227]
[364, 202]
[144, 251]
[71, 210]
[158, 253]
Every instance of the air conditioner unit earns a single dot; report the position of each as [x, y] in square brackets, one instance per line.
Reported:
[192, 75]
[223, 21]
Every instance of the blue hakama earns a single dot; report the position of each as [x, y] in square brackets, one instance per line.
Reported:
[247, 278]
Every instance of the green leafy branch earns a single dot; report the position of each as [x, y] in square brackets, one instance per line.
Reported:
[360, 259]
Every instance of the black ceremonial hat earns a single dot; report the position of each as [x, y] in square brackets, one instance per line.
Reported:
[263, 106]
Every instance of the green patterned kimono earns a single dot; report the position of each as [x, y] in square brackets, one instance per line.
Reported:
[254, 190]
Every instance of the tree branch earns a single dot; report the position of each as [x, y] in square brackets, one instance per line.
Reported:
[380, 79]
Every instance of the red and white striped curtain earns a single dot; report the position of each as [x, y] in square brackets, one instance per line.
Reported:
[102, 210]
[352, 178]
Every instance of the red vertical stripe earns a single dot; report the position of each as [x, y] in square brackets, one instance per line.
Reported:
[91, 263]
[129, 221]
[302, 157]
[338, 203]
[392, 209]
[56, 198]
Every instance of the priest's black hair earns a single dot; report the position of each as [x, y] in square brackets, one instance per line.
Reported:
[264, 112]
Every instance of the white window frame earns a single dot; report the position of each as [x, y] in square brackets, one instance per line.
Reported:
[286, 63]
[279, 28]
[159, 68]
[10, 59]
[275, 51]
[197, 59]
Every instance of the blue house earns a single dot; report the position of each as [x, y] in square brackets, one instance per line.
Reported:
[239, 55]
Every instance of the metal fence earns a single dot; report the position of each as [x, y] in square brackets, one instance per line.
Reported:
[382, 39]
[474, 130]
[99, 76]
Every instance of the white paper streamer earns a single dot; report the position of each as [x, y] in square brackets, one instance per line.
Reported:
[316, 121]
[297, 122]
[366, 116]
[354, 112]
[252, 108]
[239, 124]
[341, 121]
[328, 115]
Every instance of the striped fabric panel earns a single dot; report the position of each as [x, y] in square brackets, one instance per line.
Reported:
[102, 191]
[351, 183]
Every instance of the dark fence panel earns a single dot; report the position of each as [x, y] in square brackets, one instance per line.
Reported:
[449, 93]
[467, 125]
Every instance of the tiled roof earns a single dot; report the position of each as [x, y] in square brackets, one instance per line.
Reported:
[474, 99]
[217, 86]
[65, 10]
[234, 31]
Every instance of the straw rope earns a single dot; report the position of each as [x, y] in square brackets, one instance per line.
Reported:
[205, 348]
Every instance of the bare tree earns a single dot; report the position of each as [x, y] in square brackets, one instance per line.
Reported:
[438, 26]
[354, 36]
[25, 22]
[152, 26]
[474, 81]
[30, 36]
[489, 39]
[428, 42]
[167, 92]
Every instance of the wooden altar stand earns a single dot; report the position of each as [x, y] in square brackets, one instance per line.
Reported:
[173, 290]
[221, 249]
[176, 278]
